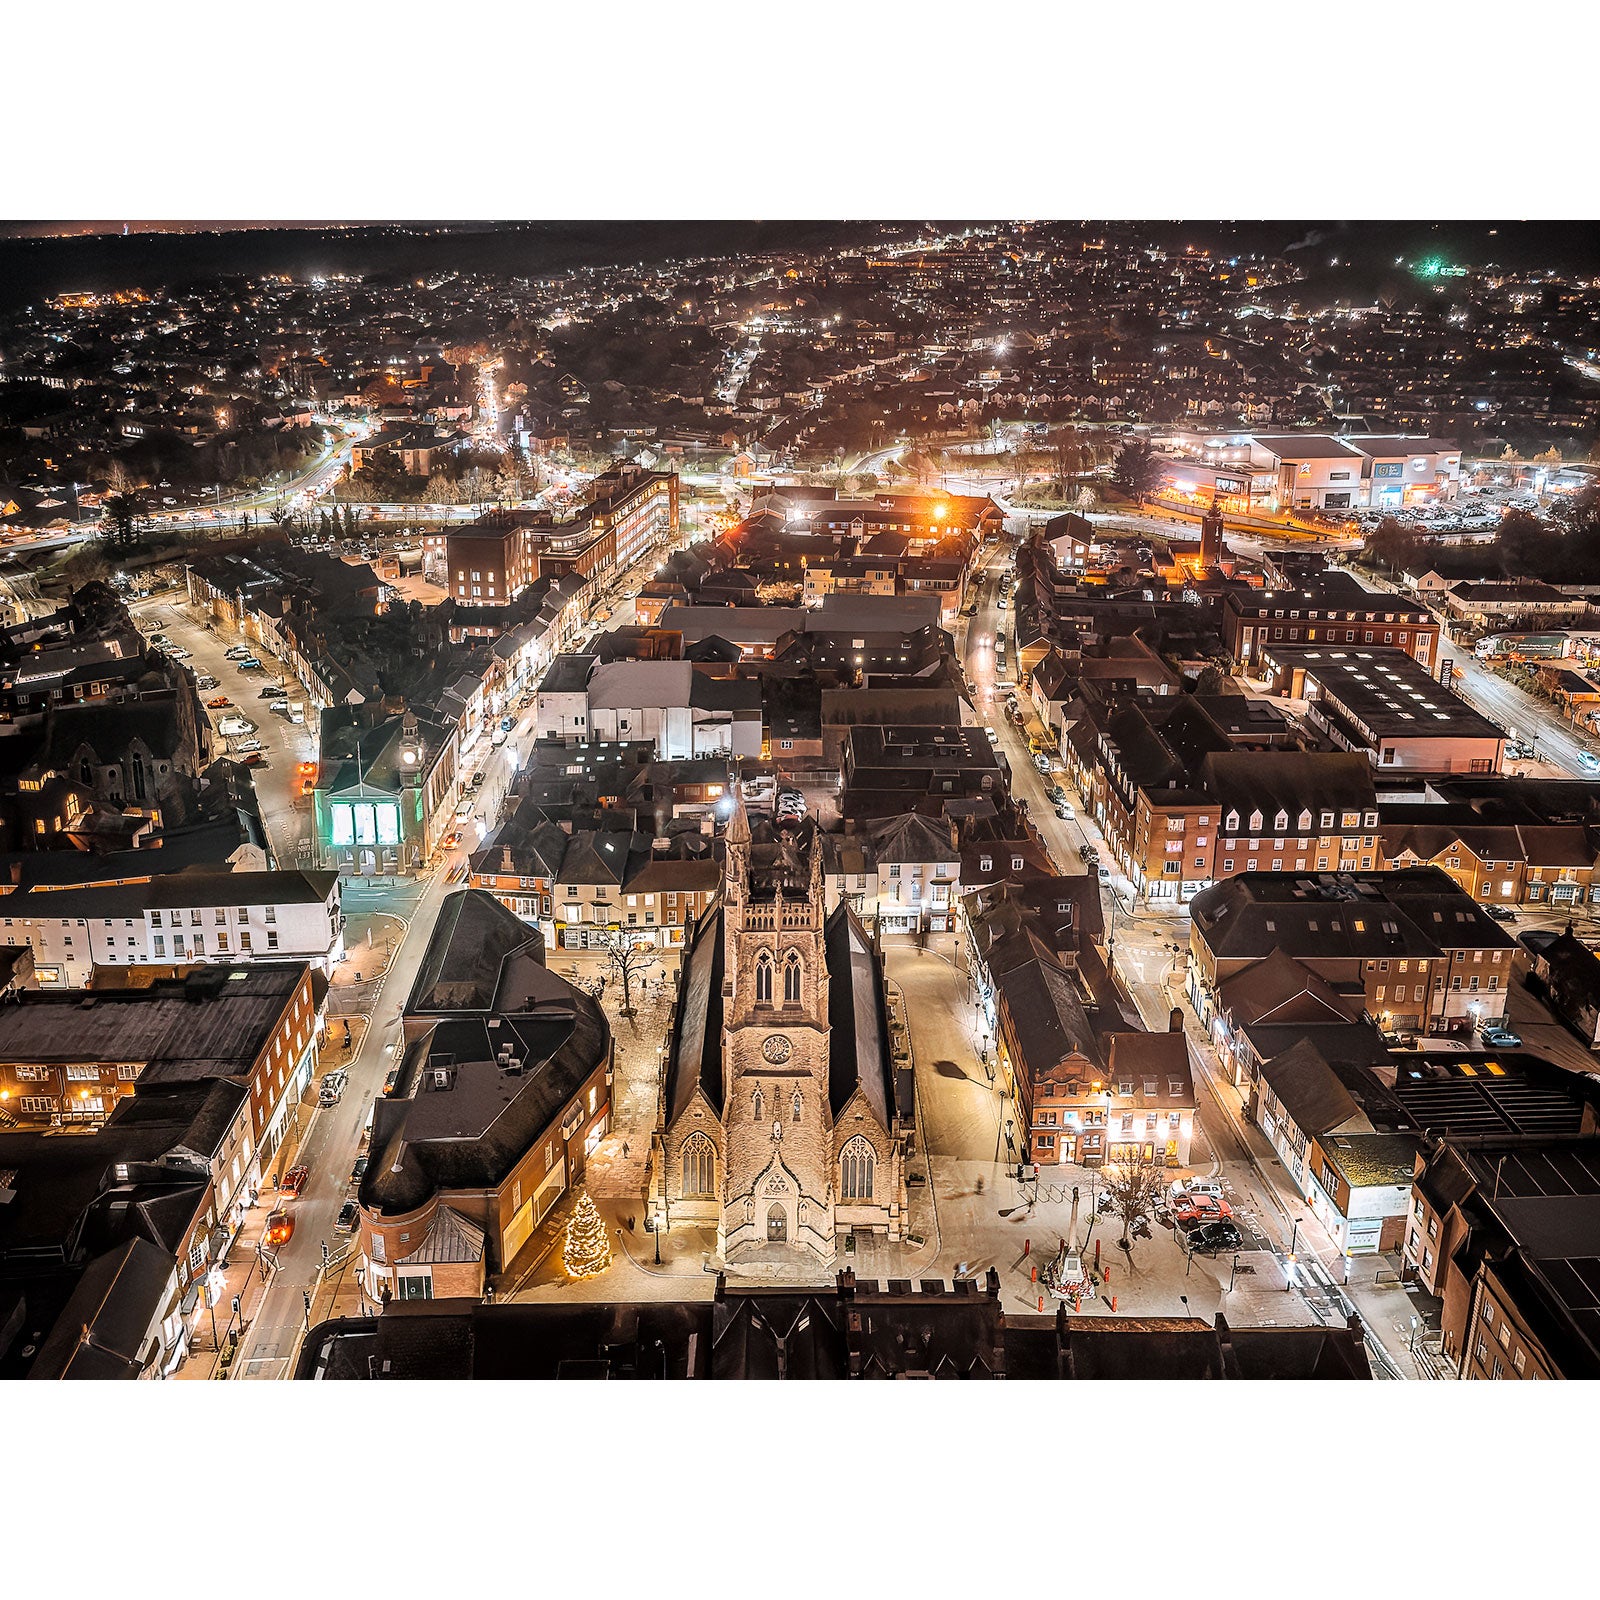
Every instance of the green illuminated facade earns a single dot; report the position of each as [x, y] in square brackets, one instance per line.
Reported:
[383, 792]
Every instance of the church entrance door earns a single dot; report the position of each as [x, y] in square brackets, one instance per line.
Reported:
[777, 1225]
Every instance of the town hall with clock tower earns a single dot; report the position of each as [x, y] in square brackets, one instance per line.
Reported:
[779, 1121]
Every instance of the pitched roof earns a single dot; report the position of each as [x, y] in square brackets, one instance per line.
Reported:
[1311, 1091]
[1047, 1017]
[100, 1331]
[858, 1039]
[1279, 989]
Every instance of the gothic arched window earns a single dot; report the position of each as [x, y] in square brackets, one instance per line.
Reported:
[857, 1162]
[795, 1105]
[791, 979]
[699, 1165]
[763, 979]
[756, 1105]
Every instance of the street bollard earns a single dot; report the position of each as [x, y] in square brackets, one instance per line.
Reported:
[1041, 1302]
[1075, 1304]
[1034, 1275]
[1097, 1252]
[1027, 1244]
[1113, 1302]
[1107, 1271]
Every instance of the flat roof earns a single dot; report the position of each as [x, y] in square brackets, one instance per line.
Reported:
[1388, 692]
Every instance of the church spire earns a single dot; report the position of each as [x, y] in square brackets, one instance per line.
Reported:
[738, 829]
[736, 840]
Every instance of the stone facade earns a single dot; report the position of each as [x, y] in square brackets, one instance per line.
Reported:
[794, 1154]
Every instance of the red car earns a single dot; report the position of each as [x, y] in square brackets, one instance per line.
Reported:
[218, 701]
[1194, 1209]
[280, 1229]
[294, 1180]
[254, 759]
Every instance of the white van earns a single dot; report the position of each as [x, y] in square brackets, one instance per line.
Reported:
[463, 811]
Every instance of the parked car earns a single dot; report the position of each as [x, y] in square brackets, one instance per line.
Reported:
[993, 734]
[254, 759]
[270, 691]
[1588, 761]
[250, 664]
[205, 681]
[280, 705]
[235, 726]
[358, 1171]
[1065, 813]
[246, 746]
[1500, 913]
[1087, 853]
[234, 652]
[1190, 1209]
[294, 1180]
[1499, 1038]
[1215, 1237]
[217, 702]
[1183, 1187]
[349, 1216]
[1056, 794]
[1043, 764]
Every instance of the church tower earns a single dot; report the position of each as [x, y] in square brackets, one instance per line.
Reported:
[778, 1192]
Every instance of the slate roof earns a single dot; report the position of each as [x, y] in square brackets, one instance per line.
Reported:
[460, 970]
[1278, 988]
[1311, 1091]
[696, 1058]
[1047, 1017]
[858, 1038]
[99, 1332]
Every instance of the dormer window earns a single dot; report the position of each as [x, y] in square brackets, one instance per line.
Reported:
[1231, 822]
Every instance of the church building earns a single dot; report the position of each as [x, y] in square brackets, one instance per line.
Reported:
[778, 1121]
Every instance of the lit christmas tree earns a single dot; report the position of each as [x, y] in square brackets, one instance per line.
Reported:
[588, 1251]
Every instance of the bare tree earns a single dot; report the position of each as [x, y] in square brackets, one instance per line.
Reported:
[630, 953]
[1135, 1181]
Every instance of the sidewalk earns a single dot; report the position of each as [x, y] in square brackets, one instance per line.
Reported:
[242, 1278]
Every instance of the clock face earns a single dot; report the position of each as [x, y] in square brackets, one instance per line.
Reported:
[776, 1048]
